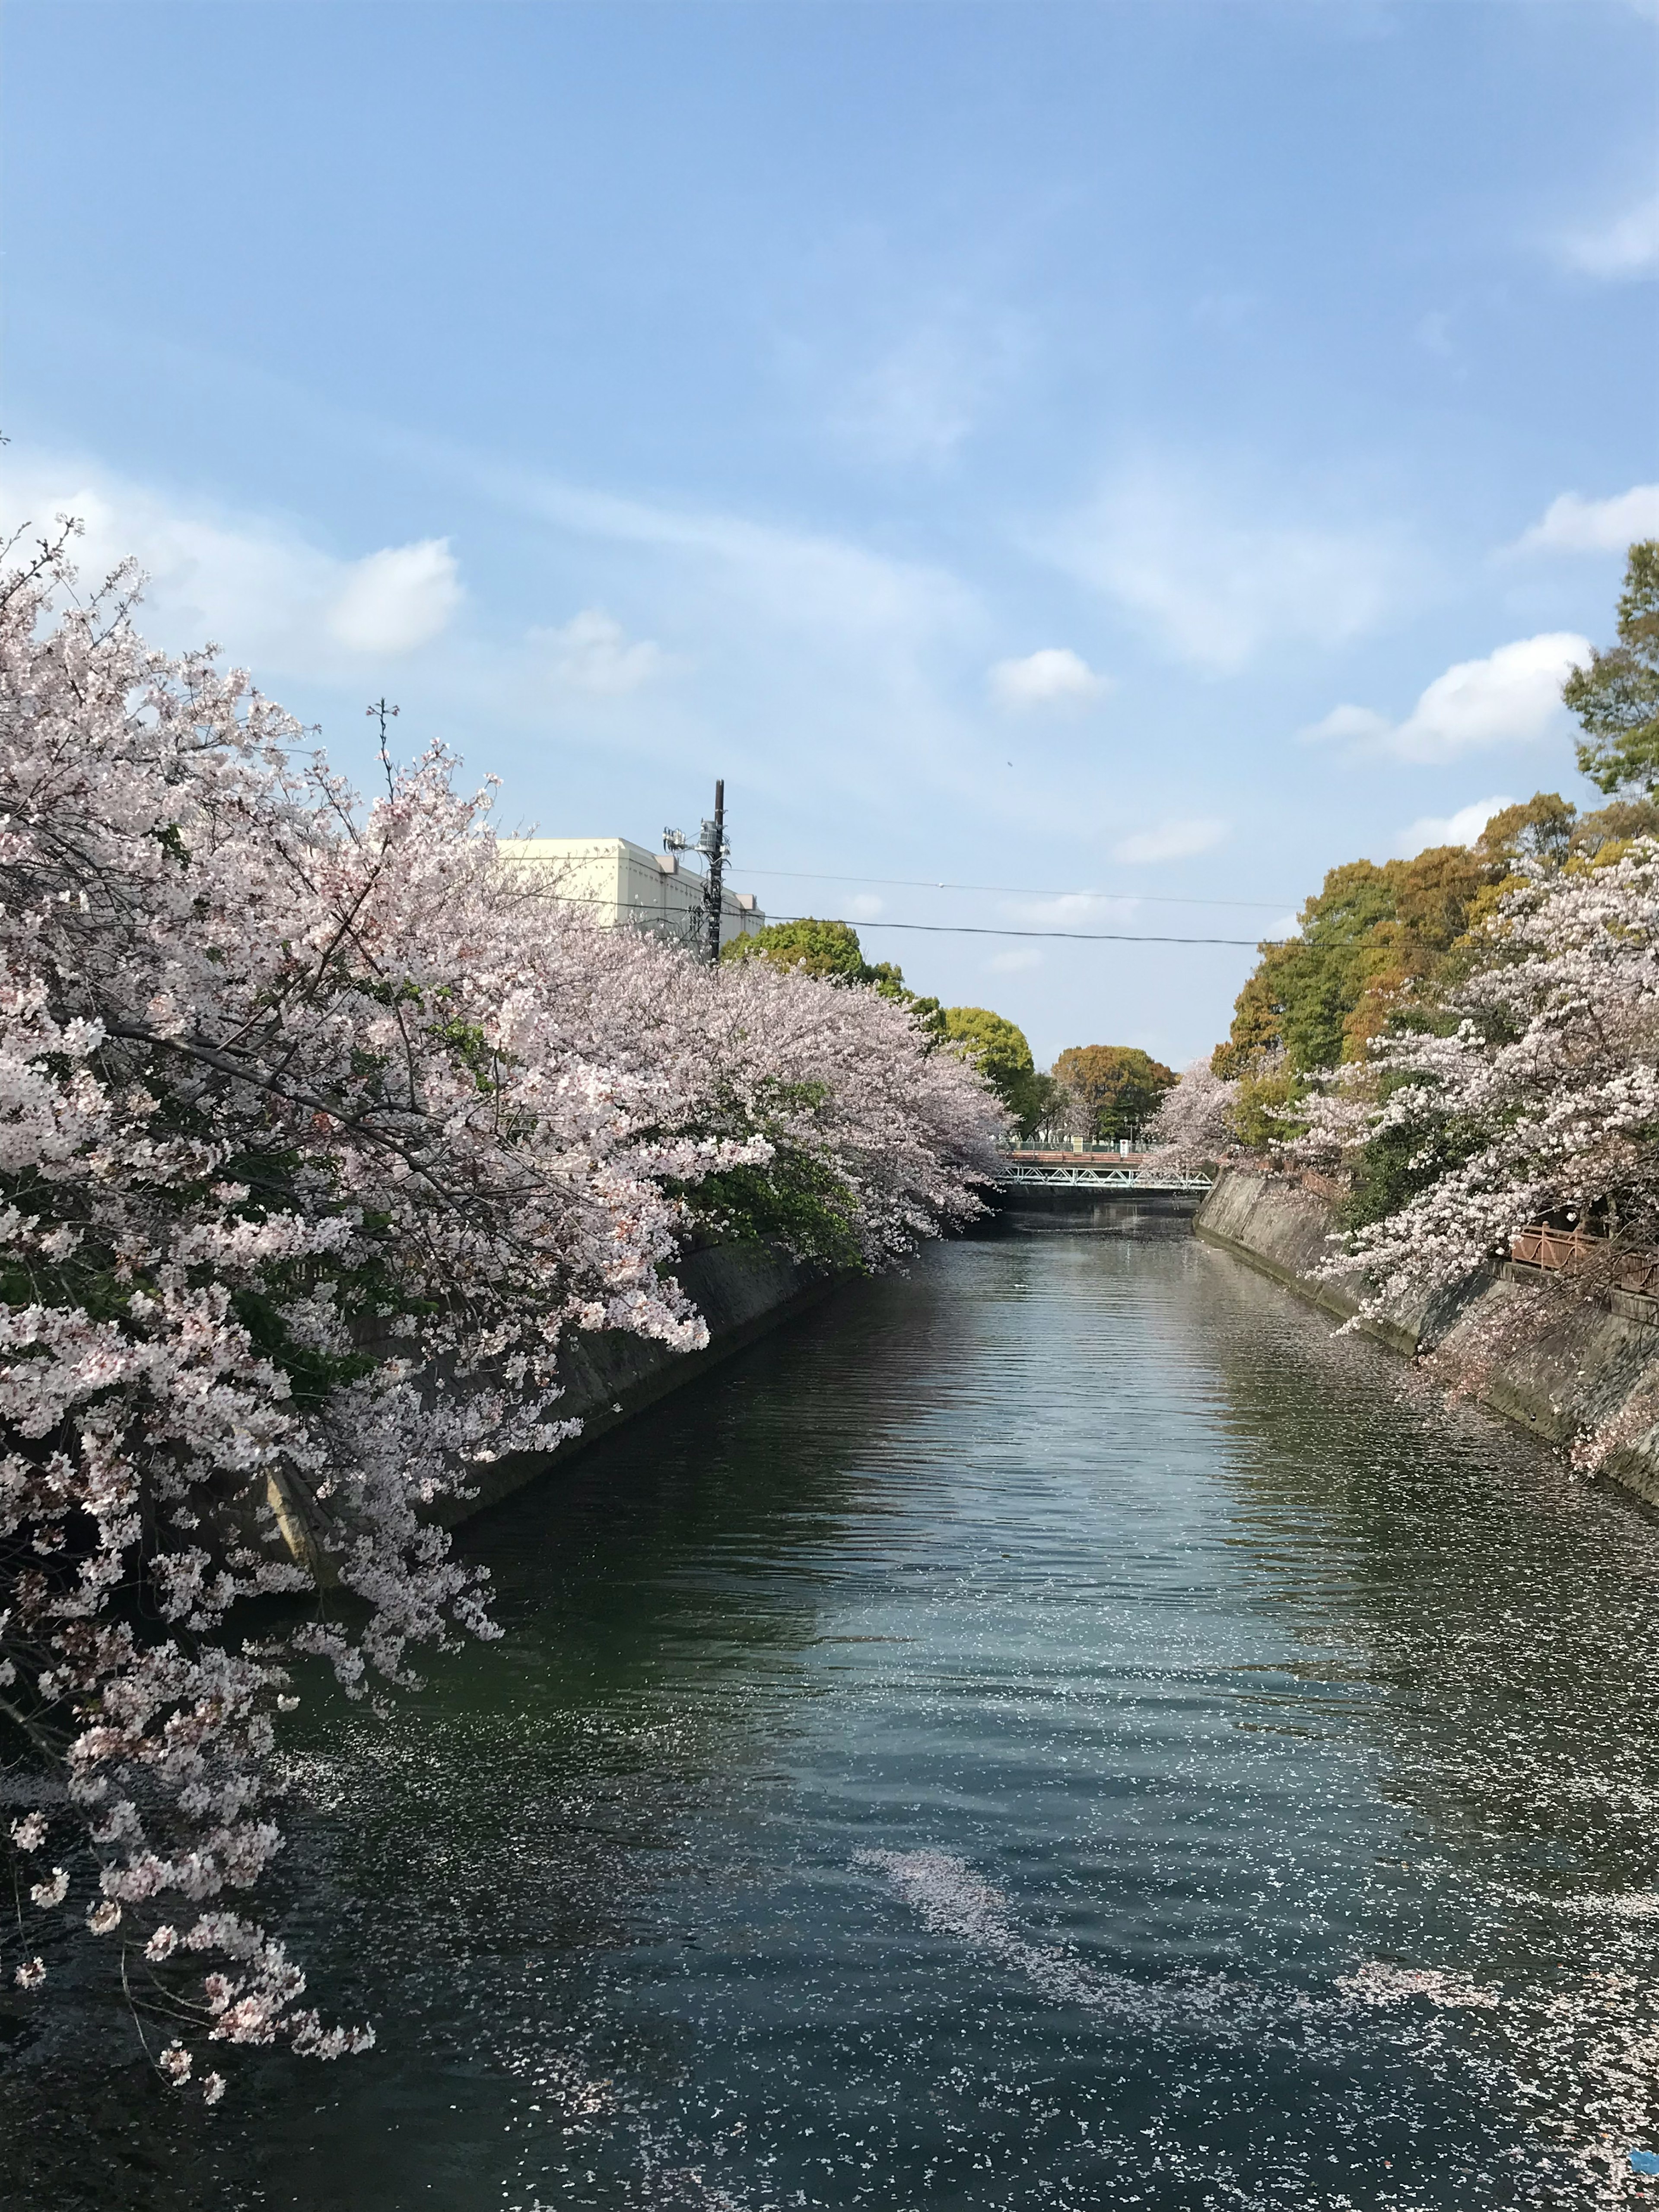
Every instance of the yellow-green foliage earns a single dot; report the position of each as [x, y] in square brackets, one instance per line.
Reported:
[1266, 1090]
[1117, 1087]
[1376, 941]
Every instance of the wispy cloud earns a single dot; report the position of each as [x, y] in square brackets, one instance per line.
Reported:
[1053, 676]
[1459, 828]
[1625, 246]
[799, 581]
[1013, 964]
[1573, 524]
[593, 652]
[1511, 697]
[912, 393]
[1074, 910]
[765, 643]
[1171, 840]
[1217, 583]
[918, 403]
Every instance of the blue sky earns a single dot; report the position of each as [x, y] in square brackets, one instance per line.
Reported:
[1117, 454]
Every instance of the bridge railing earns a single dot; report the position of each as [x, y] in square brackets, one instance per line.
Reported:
[1074, 1174]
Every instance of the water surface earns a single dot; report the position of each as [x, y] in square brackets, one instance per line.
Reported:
[1057, 1730]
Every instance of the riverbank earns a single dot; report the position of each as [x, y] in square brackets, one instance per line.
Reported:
[741, 1291]
[1561, 1367]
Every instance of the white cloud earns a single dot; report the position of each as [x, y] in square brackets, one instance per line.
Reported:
[1357, 722]
[1013, 964]
[1288, 925]
[1459, 828]
[1626, 246]
[397, 600]
[245, 582]
[1511, 697]
[1572, 525]
[1216, 587]
[1171, 840]
[865, 906]
[1053, 676]
[813, 649]
[1073, 910]
[591, 653]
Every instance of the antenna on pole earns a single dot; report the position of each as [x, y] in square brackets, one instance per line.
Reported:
[716, 852]
[381, 712]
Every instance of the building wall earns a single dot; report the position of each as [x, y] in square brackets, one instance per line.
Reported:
[620, 882]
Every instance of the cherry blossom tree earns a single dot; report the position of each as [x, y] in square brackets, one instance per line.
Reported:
[319, 1132]
[1193, 1126]
[1532, 1094]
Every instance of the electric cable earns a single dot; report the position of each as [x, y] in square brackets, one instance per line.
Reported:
[1079, 936]
[1014, 890]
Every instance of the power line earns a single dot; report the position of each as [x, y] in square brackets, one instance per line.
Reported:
[1016, 891]
[1080, 936]
[931, 928]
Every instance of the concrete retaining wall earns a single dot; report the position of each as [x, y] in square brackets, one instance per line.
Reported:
[741, 1291]
[1560, 1365]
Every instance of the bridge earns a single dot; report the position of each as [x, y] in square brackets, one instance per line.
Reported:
[1096, 1171]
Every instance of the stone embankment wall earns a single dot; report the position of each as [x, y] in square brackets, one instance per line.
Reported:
[740, 1290]
[1561, 1365]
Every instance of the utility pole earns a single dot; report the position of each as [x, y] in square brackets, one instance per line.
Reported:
[716, 852]
[713, 842]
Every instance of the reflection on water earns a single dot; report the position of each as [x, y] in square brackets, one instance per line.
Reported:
[1056, 1731]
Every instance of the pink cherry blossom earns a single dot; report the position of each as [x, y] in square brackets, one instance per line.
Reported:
[322, 1129]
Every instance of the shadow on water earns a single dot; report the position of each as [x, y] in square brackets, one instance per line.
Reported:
[1055, 1730]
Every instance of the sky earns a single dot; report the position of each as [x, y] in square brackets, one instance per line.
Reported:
[1123, 458]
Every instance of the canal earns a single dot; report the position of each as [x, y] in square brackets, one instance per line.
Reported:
[1059, 1730]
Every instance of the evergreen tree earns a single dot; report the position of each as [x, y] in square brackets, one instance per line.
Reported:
[1616, 698]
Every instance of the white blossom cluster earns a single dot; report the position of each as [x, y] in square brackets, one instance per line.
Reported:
[320, 1130]
[1192, 1128]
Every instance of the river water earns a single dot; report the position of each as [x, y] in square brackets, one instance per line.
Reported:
[1059, 1730]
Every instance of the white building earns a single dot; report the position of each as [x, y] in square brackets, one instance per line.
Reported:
[624, 883]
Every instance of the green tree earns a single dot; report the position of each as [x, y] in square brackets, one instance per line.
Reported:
[1616, 698]
[1118, 1086]
[1540, 828]
[1303, 993]
[1434, 896]
[1375, 943]
[1258, 1028]
[1004, 1058]
[1615, 823]
[829, 949]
